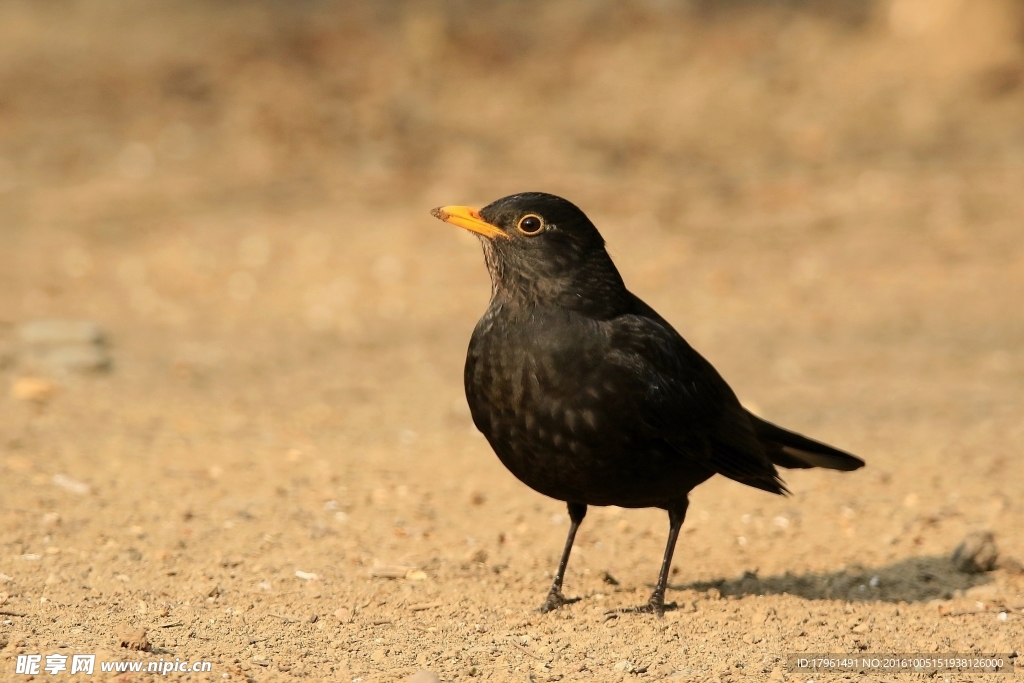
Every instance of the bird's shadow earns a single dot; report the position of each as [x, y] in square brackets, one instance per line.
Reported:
[916, 579]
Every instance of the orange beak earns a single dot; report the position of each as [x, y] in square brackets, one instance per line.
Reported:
[468, 218]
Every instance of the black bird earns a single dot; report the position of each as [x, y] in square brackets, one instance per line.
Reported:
[590, 397]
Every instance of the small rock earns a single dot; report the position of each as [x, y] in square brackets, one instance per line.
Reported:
[65, 345]
[134, 640]
[623, 666]
[60, 332]
[17, 640]
[34, 389]
[423, 677]
[389, 572]
[478, 556]
[343, 614]
[71, 485]
[976, 553]
[662, 671]
[1011, 565]
[609, 579]
[77, 358]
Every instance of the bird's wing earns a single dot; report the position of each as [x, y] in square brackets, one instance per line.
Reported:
[682, 399]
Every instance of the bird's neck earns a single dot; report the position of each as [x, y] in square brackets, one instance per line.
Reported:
[596, 292]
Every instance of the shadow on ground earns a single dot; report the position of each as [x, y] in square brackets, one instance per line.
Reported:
[915, 579]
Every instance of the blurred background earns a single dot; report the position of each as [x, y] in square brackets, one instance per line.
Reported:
[120, 121]
[194, 125]
[227, 203]
[190, 174]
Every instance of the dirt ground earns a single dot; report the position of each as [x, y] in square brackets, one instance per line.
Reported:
[276, 472]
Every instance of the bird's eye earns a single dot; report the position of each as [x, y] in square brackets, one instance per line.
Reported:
[530, 225]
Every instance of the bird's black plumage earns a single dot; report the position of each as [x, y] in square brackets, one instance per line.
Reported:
[587, 395]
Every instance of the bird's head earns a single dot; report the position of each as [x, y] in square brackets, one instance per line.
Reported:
[541, 249]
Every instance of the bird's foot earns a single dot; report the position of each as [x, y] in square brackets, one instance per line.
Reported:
[555, 600]
[656, 605]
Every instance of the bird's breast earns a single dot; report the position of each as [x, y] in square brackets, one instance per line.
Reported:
[554, 415]
[525, 387]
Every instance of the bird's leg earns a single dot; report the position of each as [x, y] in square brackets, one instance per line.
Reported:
[555, 599]
[656, 605]
[676, 515]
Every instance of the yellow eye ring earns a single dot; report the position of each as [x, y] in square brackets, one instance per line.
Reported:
[530, 224]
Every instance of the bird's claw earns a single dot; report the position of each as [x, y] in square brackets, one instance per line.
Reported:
[555, 600]
[656, 605]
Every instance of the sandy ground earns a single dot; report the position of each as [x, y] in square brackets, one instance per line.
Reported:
[278, 473]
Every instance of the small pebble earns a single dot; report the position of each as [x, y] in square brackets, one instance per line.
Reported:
[71, 485]
[34, 389]
[134, 640]
[976, 553]
[423, 677]
[478, 555]
[1011, 565]
[390, 572]
[60, 332]
[66, 345]
[76, 358]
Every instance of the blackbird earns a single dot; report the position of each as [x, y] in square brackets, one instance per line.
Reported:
[590, 397]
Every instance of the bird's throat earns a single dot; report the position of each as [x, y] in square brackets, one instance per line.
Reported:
[595, 289]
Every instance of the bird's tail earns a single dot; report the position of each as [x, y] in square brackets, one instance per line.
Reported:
[789, 449]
